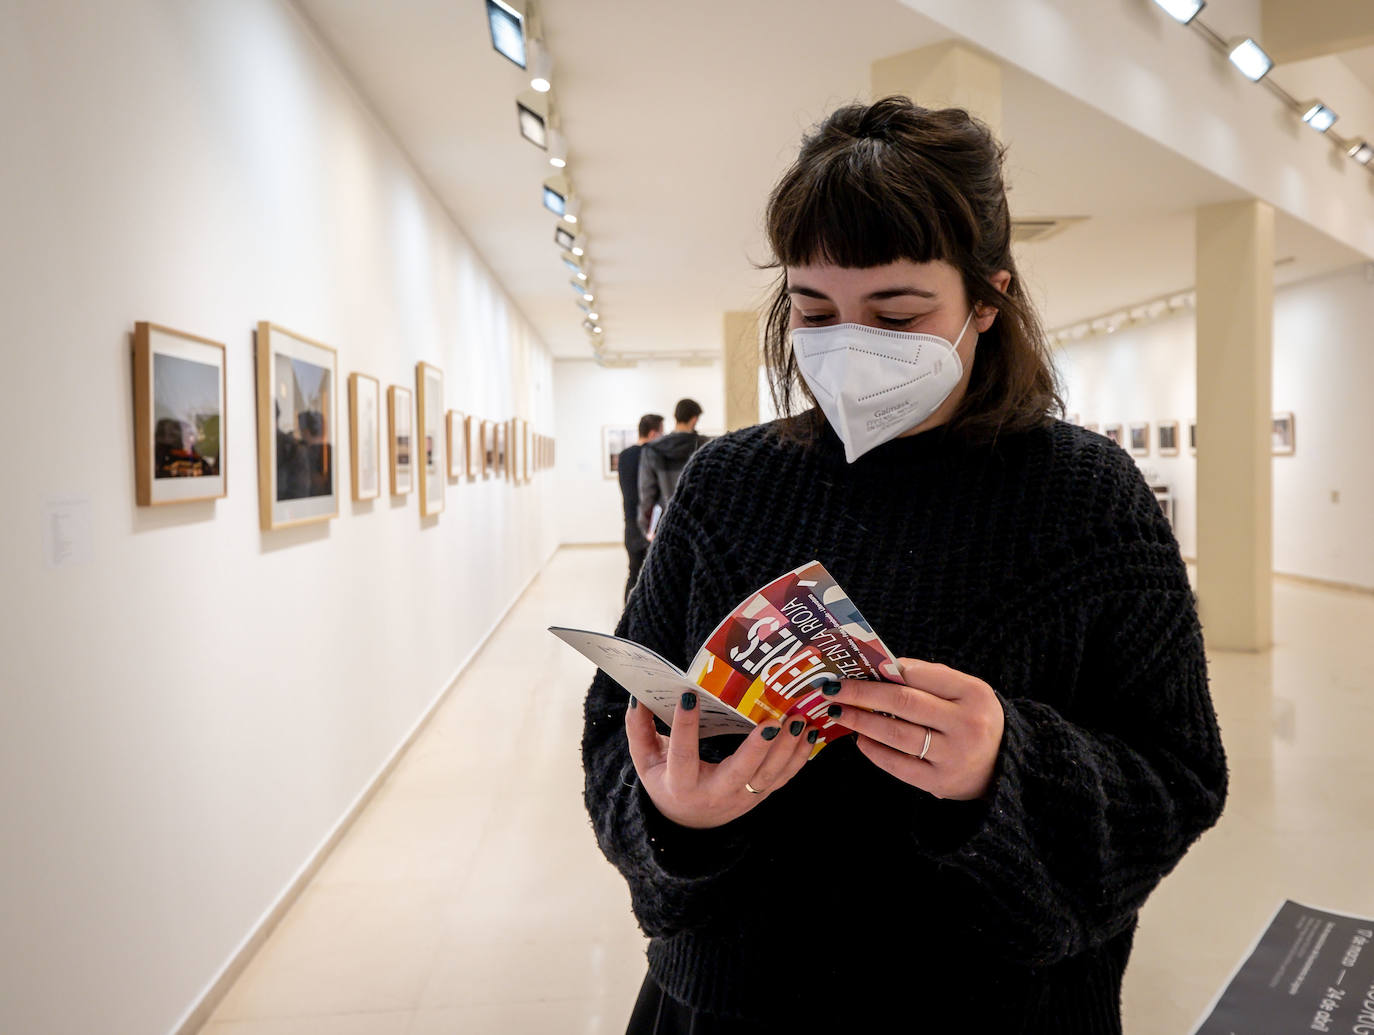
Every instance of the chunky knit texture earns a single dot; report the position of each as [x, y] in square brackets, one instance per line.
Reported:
[1042, 565]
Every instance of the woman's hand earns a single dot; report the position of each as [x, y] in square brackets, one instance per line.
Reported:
[962, 714]
[693, 793]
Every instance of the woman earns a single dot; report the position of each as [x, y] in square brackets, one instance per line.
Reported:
[975, 858]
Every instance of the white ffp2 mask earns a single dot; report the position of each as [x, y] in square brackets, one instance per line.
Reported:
[873, 384]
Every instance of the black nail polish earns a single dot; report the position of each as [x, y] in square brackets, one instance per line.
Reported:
[796, 727]
[830, 687]
[689, 701]
[634, 701]
[813, 736]
[771, 732]
[834, 711]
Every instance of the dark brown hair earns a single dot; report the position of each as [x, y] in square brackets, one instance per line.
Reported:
[879, 183]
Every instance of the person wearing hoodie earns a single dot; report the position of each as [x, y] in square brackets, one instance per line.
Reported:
[662, 461]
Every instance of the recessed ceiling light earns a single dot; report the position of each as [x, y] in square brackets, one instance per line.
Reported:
[1319, 116]
[1361, 152]
[507, 31]
[578, 250]
[558, 150]
[554, 201]
[541, 68]
[1250, 58]
[532, 125]
[1182, 11]
[571, 210]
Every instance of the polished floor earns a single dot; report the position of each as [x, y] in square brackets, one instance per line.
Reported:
[470, 897]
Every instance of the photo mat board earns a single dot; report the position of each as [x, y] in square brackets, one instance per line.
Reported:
[1283, 434]
[365, 435]
[179, 416]
[615, 439]
[400, 419]
[298, 472]
[429, 387]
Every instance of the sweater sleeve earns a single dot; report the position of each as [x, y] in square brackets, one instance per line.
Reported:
[1088, 814]
[673, 872]
[648, 487]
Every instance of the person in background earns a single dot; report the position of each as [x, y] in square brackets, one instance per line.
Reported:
[662, 462]
[650, 428]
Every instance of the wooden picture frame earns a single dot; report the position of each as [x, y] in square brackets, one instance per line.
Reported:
[525, 474]
[615, 439]
[1115, 433]
[1192, 437]
[429, 405]
[400, 434]
[1138, 438]
[1092, 426]
[472, 437]
[298, 471]
[502, 464]
[179, 416]
[1167, 437]
[488, 448]
[365, 436]
[1283, 434]
[456, 427]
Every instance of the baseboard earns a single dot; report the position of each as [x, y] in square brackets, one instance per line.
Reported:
[204, 1007]
[1312, 580]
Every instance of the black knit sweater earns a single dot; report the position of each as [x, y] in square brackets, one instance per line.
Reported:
[1042, 565]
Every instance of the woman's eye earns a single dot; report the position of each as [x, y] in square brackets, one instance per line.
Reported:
[896, 321]
[817, 317]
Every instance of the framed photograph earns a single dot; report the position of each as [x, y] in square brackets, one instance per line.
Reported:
[1092, 427]
[488, 448]
[1140, 439]
[1168, 438]
[513, 452]
[1192, 437]
[179, 406]
[472, 439]
[400, 420]
[365, 435]
[1283, 434]
[614, 439]
[502, 432]
[1114, 433]
[525, 468]
[298, 478]
[429, 393]
[457, 452]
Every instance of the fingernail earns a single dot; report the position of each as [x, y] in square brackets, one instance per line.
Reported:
[834, 711]
[830, 687]
[812, 736]
[770, 732]
[796, 728]
[634, 701]
[689, 701]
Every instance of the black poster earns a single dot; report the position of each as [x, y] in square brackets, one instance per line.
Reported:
[1310, 971]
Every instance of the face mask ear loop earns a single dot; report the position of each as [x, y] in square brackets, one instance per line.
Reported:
[962, 329]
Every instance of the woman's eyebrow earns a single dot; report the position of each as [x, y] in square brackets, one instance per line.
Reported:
[876, 296]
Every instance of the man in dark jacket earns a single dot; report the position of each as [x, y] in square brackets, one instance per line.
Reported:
[661, 462]
[650, 428]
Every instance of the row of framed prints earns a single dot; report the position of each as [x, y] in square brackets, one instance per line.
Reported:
[180, 414]
[1135, 438]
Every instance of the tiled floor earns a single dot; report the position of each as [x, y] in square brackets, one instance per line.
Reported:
[470, 896]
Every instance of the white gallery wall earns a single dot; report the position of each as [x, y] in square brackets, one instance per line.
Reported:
[190, 705]
[587, 398]
[1323, 370]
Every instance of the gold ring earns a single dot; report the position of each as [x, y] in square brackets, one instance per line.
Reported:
[924, 747]
[751, 788]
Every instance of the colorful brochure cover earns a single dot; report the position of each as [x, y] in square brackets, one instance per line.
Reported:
[766, 660]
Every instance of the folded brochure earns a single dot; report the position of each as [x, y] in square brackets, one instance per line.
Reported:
[766, 660]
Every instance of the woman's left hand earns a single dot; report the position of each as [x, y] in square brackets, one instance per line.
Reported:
[962, 714]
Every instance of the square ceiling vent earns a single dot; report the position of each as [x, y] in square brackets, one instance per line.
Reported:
[1040, 228]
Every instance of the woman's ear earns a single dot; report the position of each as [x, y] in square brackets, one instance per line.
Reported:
[986, 314]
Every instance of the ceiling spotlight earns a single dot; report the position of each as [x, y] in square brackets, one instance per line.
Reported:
[507, 31]
[564, 238]
[582, 275]
[541, 66]
[558, 149]
[1361, 152]
[555, 201]
[589, 325]
[1250, 58]
[578, 250]
[571, 210]
[593, 316]
[596, 330]
[533, 125]
[1319, 116]
[1182, 11]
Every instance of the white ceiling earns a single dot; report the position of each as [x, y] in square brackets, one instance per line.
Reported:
[680, 117]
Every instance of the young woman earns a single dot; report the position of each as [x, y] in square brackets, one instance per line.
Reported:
[974, 859]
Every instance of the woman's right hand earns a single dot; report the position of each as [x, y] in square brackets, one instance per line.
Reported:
[698, 794]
